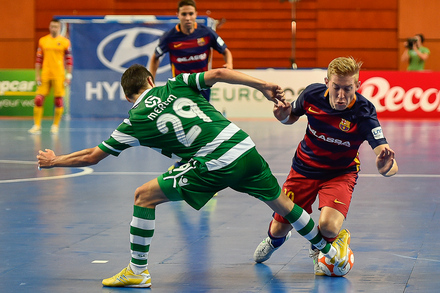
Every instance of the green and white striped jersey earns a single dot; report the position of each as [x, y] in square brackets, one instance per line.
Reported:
[175, 119]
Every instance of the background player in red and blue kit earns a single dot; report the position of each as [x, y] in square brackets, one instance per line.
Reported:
[326, 161]
[189, 45]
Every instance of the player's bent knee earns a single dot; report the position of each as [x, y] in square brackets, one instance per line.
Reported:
[149, 195]
[329, 229]
[39, 100]
[142, 195]
[58, 101]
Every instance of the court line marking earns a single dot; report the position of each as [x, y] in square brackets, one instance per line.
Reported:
[275, 174]
[404, 175]
[100, 261]
[415, 258]
[85, 171]
[128, 173]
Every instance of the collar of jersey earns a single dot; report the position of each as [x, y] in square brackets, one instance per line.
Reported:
[178, 27]
[350, 105]
[140, 98]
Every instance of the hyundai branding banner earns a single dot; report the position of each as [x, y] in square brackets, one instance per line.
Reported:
[102, 51]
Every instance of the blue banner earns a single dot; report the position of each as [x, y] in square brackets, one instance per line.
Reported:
[102, 51]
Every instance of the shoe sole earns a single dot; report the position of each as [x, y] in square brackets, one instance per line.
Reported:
[129, 286]
[139, 286]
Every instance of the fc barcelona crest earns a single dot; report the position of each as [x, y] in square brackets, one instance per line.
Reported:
[344, 125]
[201, 41]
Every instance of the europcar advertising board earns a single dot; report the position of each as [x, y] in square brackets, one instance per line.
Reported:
[17, 92]
[239, 101]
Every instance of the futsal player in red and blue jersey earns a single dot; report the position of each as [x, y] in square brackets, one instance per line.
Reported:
[189, 45]
[326, 161]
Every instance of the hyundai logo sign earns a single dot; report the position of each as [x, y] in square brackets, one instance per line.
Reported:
[123, 48]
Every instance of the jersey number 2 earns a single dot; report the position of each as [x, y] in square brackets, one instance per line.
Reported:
[184, 108]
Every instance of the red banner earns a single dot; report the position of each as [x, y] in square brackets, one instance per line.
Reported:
[402, 95]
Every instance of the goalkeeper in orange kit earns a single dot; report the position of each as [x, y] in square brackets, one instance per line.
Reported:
[53, 68]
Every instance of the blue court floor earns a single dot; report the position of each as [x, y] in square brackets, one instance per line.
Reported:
[64, 230]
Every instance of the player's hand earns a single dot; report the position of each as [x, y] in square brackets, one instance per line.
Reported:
[273, 93]
[282, 110]
[68, 79]
[385, 160]
[45, 158]
[227, 66]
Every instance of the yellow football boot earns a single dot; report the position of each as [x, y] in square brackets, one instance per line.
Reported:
[126, 278]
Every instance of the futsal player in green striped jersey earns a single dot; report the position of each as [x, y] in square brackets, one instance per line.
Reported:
[176, 120]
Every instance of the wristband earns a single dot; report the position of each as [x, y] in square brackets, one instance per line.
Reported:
[69, 76]
[389, 172]
[284, 121]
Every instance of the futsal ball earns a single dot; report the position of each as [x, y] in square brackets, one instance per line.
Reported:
[332, 270]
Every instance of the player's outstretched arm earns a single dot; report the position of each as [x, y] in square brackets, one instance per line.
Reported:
[86, 157]
[227, 56]
[154, 65]
[385, 161]
[270, 90]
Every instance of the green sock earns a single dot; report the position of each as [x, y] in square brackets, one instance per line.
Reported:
[305, 226]
[141, 233]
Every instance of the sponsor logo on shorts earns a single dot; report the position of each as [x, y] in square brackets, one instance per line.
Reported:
[340, 202]
[183, 181]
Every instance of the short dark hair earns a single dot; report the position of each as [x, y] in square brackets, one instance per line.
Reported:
[55, 20]
[134, 79]
[422, 37]
[186, 3]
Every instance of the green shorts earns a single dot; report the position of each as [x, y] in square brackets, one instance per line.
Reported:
[196, 185]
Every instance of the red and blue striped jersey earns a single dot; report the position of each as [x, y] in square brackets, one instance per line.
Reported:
[190, 53]
[332, 140]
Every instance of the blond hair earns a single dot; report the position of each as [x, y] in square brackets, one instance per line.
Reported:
[344, 66]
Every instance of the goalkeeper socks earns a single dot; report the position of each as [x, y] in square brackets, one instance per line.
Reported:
[58, 113]
[141, 233]
[305, 226]
[38, 115]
